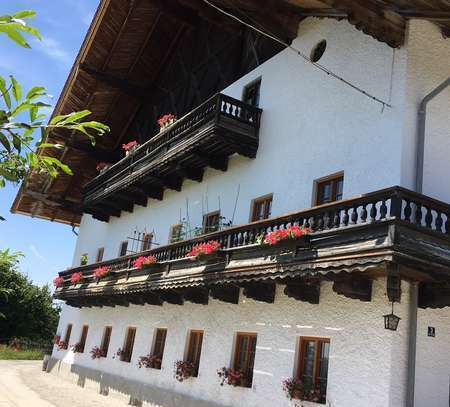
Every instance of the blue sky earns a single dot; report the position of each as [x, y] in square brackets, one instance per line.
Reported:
[48, 247]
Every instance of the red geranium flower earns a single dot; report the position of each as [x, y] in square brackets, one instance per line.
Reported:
[163, 120]
[204, 249]
[76, 277]
[101, 166]
[100, 272]
[143, 261]
[292, 232]
[58, 281]
[130, 145]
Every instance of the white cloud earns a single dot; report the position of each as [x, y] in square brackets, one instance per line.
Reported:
[54, 49]
[38, 255]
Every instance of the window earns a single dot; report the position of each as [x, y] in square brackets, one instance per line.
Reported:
[147, 241]
[261, 208]
[194, 349]
[252, 92]
[100, 253]
[318, 51]
[84, 259]
[211, 222]
[105, 340]
[313, 363]
[329, 189]
[176, 233]
[244, 356]
[67, 336]
[159, 342]
[83, 338]
[127, 349]
[123, 248]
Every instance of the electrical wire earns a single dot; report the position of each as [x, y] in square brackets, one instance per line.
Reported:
[301, 54]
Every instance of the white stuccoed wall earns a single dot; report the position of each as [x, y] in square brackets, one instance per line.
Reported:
[312, 126]
[367, 363]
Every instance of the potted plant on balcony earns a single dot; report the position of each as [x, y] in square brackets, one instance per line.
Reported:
[287, 238]
[203, 251]
[56, 339]
[58, 281]
[100, 272]
[102, 166]
[144, 262]
[166, 121]
[184, 370]
[296, 389]
[96, 352]
[150, 361]
[76, 278]
[83, 260]
[77, 348]
[130, 147]
[232, 377]
[62, 345]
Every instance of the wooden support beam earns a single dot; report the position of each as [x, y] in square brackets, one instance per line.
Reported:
[226, 293]
[197, 295]
[260, 291]
[153, 298]
[136, 299]
[355, 287]
[303, 291]
[195, 174]
[434, 295]
[172, 297]
[151, 191]
[73, 303]
[96, 152]
[120, 300]
[393, 282]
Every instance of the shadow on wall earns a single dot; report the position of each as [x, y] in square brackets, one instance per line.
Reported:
[138, 392]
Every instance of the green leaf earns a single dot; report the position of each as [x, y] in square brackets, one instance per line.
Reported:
[24, 14]
[17, 143]
[14, 35]
[5, 92]
[50, 145]
[55, 162]
[5, 142]
[16, 88]
[8, 175]
[35, 92]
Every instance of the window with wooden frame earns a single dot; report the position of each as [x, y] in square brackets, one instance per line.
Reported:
[261, 208]
[105, 340]
[194, 349]
[127, 350]
[159, 343]
[67, 336]
[175, 233]
[329, 189]
[100, 253]
[251, 94]
[211, 222]
[83, 337]
[244, 356]
[313, 363]
[147, 241]
[123, 248]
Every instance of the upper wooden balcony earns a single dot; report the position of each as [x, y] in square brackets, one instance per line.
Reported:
[394, 232]
[206, 136]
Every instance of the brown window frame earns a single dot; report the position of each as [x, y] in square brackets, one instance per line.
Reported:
[267, 201]
[67, 336]
[319, 184]
[175, 237]
[122, 251]
[159, 343]
[301, 360]
[100, 254]
[206, 222]
[147, 241]
[106, 339]
[128, 344]
[83, 338]
[249, 358]
[194, 349]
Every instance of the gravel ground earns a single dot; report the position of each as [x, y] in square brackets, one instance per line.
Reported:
[24, 384]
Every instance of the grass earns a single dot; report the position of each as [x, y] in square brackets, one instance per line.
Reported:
[7, 353]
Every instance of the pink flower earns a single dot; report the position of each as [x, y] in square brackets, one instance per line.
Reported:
[58, 281]
[100, 272]
[143, 261]
[204, 249]
[76, 277]
[165, 119]
[130, 145]
[101, 166]
[292, 232]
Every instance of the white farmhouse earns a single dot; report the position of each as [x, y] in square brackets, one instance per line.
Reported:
[279, 222]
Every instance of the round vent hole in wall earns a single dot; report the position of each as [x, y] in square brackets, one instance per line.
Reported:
[318, 51]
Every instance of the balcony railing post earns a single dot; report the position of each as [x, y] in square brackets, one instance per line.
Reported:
[218, 108]
[396, 206]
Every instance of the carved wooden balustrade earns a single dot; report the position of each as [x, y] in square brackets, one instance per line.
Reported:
[206, 136]
[393, 204]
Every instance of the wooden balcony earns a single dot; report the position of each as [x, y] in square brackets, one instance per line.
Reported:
[207, 136]
[393, 232]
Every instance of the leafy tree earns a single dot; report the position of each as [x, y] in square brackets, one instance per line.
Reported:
[21, 115]
[27, 309]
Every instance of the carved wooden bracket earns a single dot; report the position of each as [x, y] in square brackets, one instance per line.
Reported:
[260, 291]
[197, 295]
[303, 291]
[172, 297]
[226, 293]
[355, 287]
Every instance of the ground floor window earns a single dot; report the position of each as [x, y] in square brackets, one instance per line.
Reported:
[194, 349]
[65, 344]
[127, 350]
[105, 340]
[313, 363]
[244, 356]
[159, 343]
[82, 343]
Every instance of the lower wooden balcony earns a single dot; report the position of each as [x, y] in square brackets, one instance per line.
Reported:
[207, 136]
[392, 232]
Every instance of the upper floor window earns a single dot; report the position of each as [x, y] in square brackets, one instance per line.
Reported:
[82, 343]
[176, 233]
[159, 343]
[194, 349]
[251, 93]
[147, 241]
[211, 222]
[244, 356]
[65, 345]
[83, 259]
[329, 189]
[261, 208]
[313, 364]
[100, 253]
[105, 340]
[123, 248]
[127, 350]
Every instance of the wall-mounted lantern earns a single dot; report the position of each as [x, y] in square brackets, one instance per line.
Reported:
[391, 320]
